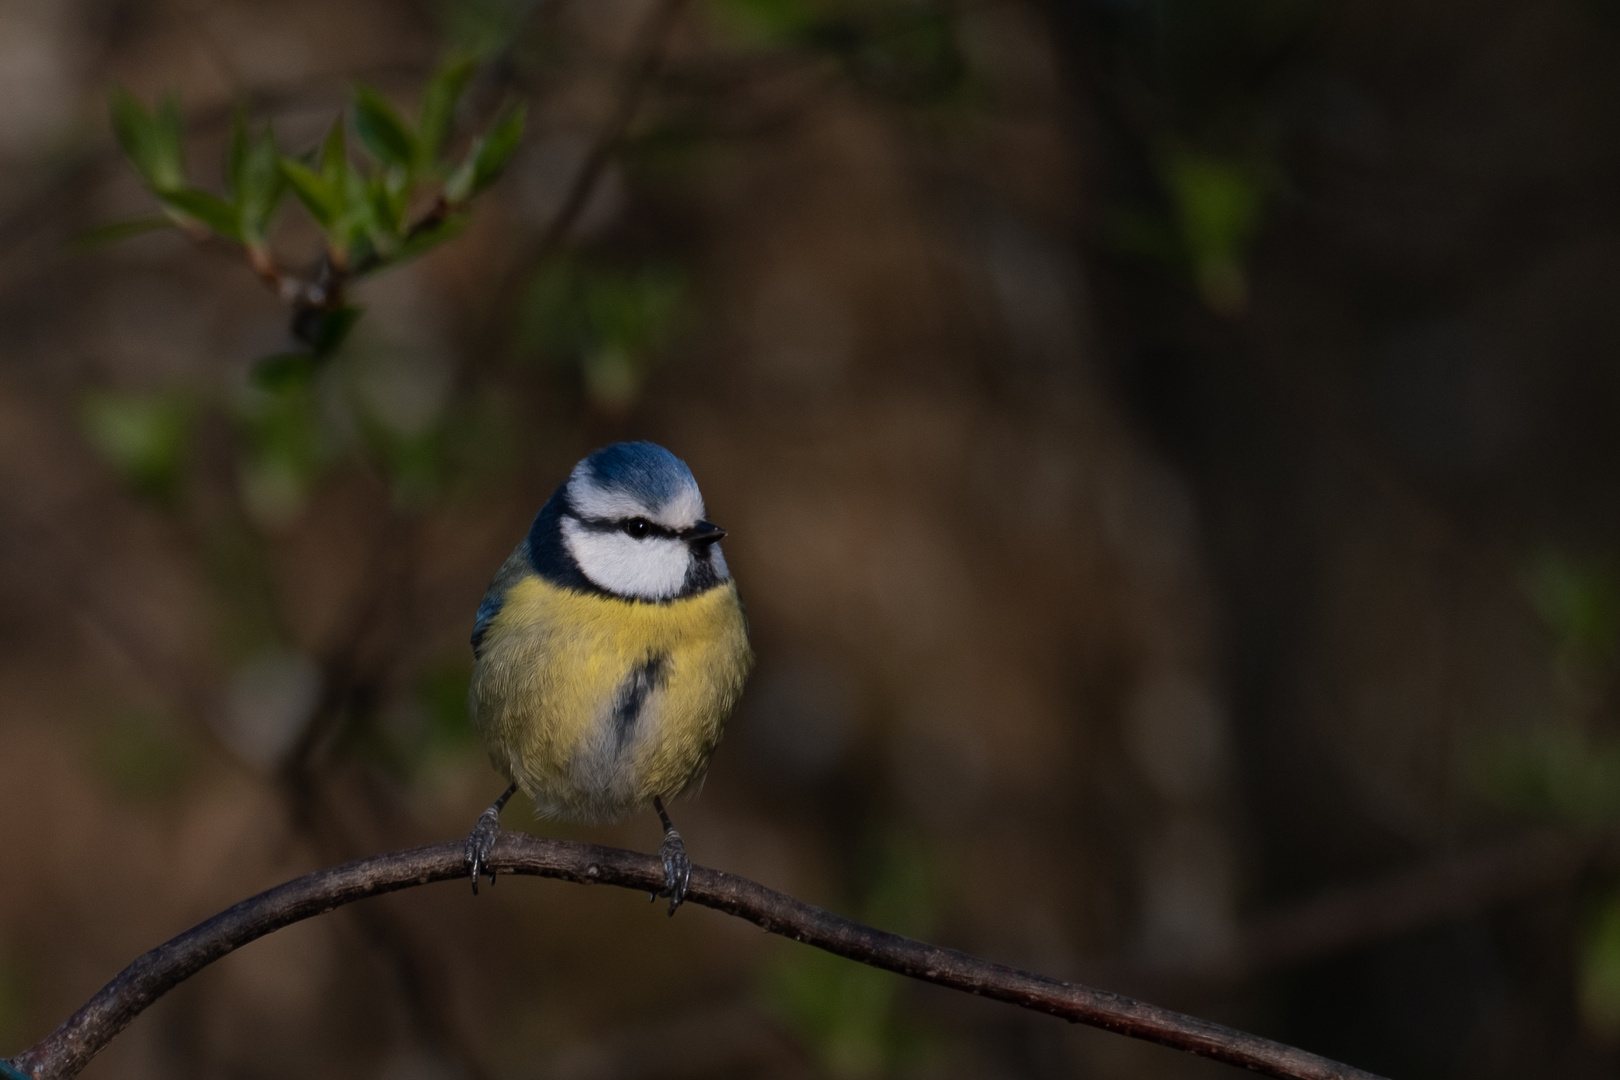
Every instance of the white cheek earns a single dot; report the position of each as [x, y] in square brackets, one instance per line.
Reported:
[652, 569]
[718, 561]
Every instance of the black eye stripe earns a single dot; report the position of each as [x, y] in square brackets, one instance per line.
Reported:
[610, 525]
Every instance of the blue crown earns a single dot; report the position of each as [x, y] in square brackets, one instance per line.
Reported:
[642, 469]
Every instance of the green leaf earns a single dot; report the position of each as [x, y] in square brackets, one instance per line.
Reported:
[283, 370]
[487, 158]
[439, 107]
[382, 130]
[211, 210]
[385, 214]
[1219, 204]
[132, 124]
[447, 229]
[313, 191]
[335, 157]
[152, 140]
[388, 197]
[260, 186]
[356, 225]
[458, 189]
[114, 231]
[170, 129]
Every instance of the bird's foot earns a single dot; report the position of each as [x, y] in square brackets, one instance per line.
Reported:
[482, 839]
[677, 869]
[479, 842]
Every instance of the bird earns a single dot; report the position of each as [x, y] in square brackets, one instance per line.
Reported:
[609, 650]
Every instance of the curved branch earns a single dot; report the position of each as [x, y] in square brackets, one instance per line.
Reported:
[70, 1047]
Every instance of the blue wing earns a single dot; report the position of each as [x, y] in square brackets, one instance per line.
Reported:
[487, 610]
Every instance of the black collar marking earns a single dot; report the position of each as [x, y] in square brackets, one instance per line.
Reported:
[553, 561]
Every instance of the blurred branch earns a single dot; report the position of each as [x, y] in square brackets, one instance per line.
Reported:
[646, 59]
[303, 780]
[346, 679]
[1444, 890]
[1449, 888]
[70, 1047]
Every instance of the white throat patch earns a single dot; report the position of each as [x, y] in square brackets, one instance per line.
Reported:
[650, 569]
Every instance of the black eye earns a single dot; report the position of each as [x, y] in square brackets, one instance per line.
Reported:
[637, 528]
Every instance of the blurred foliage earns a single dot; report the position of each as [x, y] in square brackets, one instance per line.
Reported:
[1569, 772]
[1218, 207]
[425, 729]
[1201, 115]
[141, 756]
[286, 446]
[404, 194]
[849, 1014]
[1599, 961]
[482, 27]
[1563, 778]
[611, 323]
[442, 694]
[1568, 775]
[416, 463]
[431, 727]
[142, 436]
[295, 430]
[902, 50]
[1579, 600]
[1215, 207]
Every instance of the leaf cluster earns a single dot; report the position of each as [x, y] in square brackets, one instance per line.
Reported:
[403, 195]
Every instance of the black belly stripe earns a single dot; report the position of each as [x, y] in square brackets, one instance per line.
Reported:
[649, 675]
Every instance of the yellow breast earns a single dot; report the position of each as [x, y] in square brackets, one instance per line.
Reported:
[594, 705]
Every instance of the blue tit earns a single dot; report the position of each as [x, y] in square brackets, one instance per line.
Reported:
[609, 650]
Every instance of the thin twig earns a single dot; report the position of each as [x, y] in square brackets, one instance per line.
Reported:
[646, 60]
[345, 674]
[70, 1047]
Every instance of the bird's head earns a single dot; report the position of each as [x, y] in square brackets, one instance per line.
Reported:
[630, 518]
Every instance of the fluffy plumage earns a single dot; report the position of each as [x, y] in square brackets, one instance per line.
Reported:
[611, 645]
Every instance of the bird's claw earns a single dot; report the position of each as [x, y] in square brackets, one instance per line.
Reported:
[677, 869]
[479, 843]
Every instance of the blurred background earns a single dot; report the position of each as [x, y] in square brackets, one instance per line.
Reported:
[1169, 453]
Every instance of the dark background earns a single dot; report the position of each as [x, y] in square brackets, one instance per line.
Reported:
[1169, 448]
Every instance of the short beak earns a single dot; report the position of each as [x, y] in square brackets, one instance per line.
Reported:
[704, 532]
